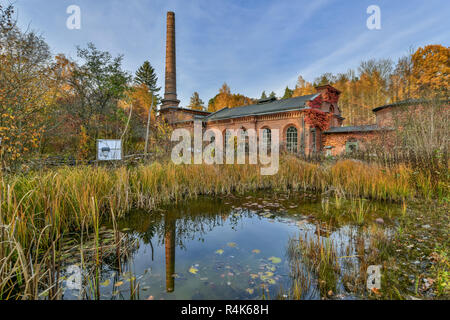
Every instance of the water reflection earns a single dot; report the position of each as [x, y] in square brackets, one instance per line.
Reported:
[169, 239]
[230, 248]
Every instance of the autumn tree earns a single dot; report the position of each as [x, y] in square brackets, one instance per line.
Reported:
[196, 103]
[303, 88]
[401, 82]
[25, 69]
[61, 130]
[226, 99]
[431, 71]
[98, 84]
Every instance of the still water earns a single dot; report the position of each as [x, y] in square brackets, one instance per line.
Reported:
[233, 247]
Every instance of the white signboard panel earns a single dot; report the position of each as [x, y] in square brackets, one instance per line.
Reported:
[109, 149]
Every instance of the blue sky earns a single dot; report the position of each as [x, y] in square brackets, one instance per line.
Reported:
[253, 45]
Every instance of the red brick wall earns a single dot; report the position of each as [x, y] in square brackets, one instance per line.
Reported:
[380, 139]
[280, 121]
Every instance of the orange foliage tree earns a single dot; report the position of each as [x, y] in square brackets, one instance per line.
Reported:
[226, 99]
[431, 71]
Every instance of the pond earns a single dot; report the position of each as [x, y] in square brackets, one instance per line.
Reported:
[237, 247]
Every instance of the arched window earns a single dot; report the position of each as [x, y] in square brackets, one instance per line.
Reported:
[267, 138]
[244, 137]
[291, 139]
[228, 138]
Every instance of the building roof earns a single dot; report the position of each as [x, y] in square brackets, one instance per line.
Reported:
[365, 128]
[262, 107]
[185, 109]
[408, 102]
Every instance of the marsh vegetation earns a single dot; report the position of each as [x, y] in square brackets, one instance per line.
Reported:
[50, 219]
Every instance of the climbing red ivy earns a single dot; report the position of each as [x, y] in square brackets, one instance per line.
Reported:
[318, 119]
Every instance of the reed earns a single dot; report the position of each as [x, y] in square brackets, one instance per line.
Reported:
[38, 208]
[319, 255]
[359, 210]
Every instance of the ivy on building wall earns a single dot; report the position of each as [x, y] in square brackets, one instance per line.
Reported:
[318, 119]
[315, 117]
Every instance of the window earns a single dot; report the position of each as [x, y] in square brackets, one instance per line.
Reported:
[351, 146]
[244, 137]
[267, 138]
[314, 140]
[227, 138]
[291, 139]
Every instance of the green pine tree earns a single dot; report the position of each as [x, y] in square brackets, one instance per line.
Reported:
[272, 95]
[146, 75]
[288, 93]
[263, 95]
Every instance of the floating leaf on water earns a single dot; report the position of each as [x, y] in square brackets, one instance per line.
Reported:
[275, 260]
[220, 251]
[105, 283]
[231, 244]
[193, 270]
[118, 284]
[271, 281]
[256, 251]
[269, 274]
[264, 277]
[250, 291]
[254, 276]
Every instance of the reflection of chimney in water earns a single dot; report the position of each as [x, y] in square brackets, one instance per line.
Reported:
[169, 240]
[170, 93]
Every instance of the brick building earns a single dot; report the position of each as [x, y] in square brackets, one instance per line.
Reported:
[307, 124]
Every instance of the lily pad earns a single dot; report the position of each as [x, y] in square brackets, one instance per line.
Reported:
[256, 251]
[231, 244]
[250, 291]
[220, 251]
[275, 260]
[193, 270]
[254, 276]
[118, 284]
[105, 283]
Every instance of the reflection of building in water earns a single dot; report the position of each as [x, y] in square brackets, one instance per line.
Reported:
[169, 240]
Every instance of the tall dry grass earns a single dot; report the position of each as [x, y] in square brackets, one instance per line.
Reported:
[37, 209]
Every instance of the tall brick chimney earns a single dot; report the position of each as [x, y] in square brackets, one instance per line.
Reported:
[170, 92]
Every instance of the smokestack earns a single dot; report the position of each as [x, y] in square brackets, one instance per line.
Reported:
[170, 93]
